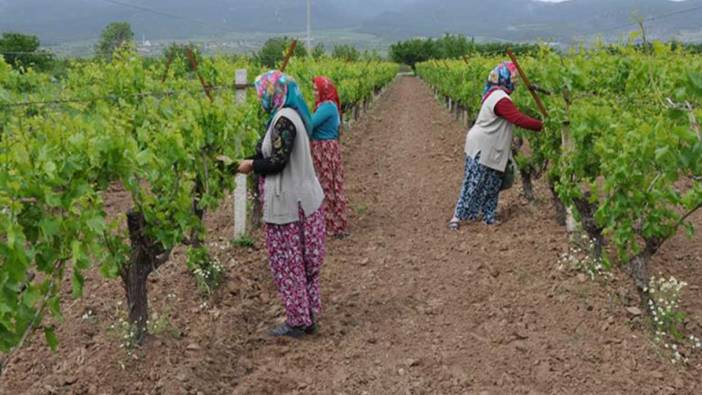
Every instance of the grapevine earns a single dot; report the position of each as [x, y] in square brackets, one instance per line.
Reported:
[146, 127]
[622, 146]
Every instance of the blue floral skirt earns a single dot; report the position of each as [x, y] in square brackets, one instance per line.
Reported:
[479, 193]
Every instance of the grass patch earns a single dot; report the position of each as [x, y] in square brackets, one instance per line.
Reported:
[245, 241]
[361, 209]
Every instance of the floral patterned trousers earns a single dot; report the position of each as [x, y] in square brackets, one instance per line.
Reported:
[326, 155]
[296, 254]
[480, 192]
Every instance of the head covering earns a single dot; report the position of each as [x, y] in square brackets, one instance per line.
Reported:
[501, 77]
[277, 90]
[327, 92]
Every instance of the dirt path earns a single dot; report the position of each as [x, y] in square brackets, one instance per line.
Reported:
[409, 306]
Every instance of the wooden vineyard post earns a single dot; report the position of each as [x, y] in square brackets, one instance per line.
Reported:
[240, 192]
[241, 85]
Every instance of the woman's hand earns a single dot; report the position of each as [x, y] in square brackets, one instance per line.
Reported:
[245, 166]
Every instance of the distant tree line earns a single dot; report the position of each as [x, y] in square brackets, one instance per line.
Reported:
[450, 46]
[22, 51]
[413, 51]
[689, 47]
[274, 49]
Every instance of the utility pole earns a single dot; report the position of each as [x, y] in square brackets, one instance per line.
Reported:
[309, 26]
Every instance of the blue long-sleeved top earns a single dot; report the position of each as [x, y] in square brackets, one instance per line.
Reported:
[325, 122]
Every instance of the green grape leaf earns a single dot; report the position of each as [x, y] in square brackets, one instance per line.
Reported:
[695, 80]
[51, 339]
[96, 224]
[77, 284]
[660, 152]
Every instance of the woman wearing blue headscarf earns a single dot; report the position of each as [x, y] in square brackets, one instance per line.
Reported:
[488, 148]
[292, 202]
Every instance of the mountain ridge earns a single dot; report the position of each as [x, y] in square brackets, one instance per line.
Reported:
[61, 21]
[534, 20]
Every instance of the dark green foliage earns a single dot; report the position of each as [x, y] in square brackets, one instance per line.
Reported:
[348, 53]
[114, 36]
[274, 50]
[372, 55]
[178, 54]
[22, 50]
[319, 51]
[413, 51]
[450, 46]
[695, 48]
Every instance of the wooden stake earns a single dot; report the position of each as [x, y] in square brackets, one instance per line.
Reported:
[536, 97]
[168, 66]
[193, 63]
[291, 52]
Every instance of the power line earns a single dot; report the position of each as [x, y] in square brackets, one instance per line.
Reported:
[609, 29]
[147, 9]
[41, 52]
[650, 19]
[163, 13]
[157, 94]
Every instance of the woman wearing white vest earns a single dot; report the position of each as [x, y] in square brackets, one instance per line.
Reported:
[292, 202]
[488, 148]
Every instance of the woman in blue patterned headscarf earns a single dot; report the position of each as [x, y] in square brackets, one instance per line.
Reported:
[292, 203]
[277, 90]
[501, 77]
[488, 148]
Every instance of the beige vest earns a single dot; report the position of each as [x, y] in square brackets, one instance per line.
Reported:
[491, 135]
[297, 184]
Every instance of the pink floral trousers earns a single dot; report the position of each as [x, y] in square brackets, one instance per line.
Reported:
[296, 253]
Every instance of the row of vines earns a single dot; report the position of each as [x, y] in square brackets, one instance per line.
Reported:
[145, 126]
[621, 147]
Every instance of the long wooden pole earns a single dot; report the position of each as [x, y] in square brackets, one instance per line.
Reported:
[291, 52]
[168, 65]
[536, 97]
[193, 63]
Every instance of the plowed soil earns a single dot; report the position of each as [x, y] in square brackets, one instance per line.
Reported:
[410, 307]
